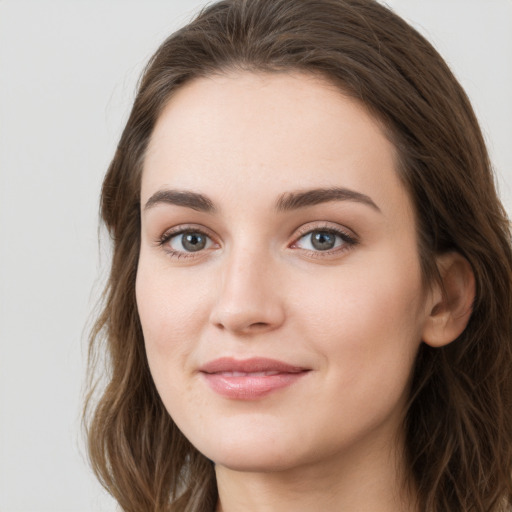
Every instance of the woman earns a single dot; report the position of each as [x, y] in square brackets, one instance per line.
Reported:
[309, 304]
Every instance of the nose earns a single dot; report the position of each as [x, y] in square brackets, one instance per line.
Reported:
[249, 299]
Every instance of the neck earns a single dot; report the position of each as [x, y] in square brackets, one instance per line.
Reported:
[366, 482]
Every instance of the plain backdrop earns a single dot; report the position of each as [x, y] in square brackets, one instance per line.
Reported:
[68, 71]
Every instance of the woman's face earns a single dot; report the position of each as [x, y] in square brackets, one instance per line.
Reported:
[279, 286]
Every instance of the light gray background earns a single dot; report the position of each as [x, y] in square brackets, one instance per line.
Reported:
[68, 71]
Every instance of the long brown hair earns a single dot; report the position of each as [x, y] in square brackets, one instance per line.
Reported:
[459, 418]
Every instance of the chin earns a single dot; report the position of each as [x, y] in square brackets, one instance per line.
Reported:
[253, 461]
[258, 452]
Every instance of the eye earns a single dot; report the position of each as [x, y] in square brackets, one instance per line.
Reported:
[323, 240]
[187, 241]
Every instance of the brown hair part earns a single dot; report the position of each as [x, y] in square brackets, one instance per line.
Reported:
[459, 418]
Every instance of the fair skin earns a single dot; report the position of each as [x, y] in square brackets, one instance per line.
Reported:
[330, 285]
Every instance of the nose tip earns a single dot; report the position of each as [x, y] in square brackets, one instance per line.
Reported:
[244, 320]
[248, 301]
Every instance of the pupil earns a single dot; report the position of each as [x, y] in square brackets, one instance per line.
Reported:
[323, 241]
[193, 242]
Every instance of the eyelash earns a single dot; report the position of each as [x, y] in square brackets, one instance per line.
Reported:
[348, 241]
[177, 231]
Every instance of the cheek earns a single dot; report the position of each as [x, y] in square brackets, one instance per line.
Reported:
[367, 319]
[168, 311]
[169, 302]
[171, 314]
[366, 326]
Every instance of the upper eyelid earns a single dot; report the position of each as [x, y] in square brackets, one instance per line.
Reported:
[186, 228]
[333, 227]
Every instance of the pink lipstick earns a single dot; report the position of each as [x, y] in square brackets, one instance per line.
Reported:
[249, 379]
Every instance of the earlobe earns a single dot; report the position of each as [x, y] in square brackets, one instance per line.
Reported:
[451, 301]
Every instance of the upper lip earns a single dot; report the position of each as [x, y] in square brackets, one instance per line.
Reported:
[252, 365]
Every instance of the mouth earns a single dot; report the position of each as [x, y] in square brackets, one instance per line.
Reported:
[250, 379]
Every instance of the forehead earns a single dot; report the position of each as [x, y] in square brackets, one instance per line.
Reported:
[249, 131]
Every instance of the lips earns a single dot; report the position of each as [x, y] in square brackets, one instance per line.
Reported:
[250, 379]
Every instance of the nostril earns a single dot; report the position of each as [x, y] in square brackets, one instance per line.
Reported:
[250, 327]
[258, 325]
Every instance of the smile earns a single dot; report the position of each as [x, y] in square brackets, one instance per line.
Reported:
[249, 379]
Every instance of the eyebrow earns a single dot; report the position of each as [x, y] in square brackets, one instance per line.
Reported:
[287, 202]
[303, 199]
[184, 198]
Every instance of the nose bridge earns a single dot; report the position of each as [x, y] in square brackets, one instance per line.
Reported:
[248, 298]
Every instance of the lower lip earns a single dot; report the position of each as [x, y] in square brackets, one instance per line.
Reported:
[250, 387]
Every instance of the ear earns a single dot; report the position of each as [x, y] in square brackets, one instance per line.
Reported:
[451, 301]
